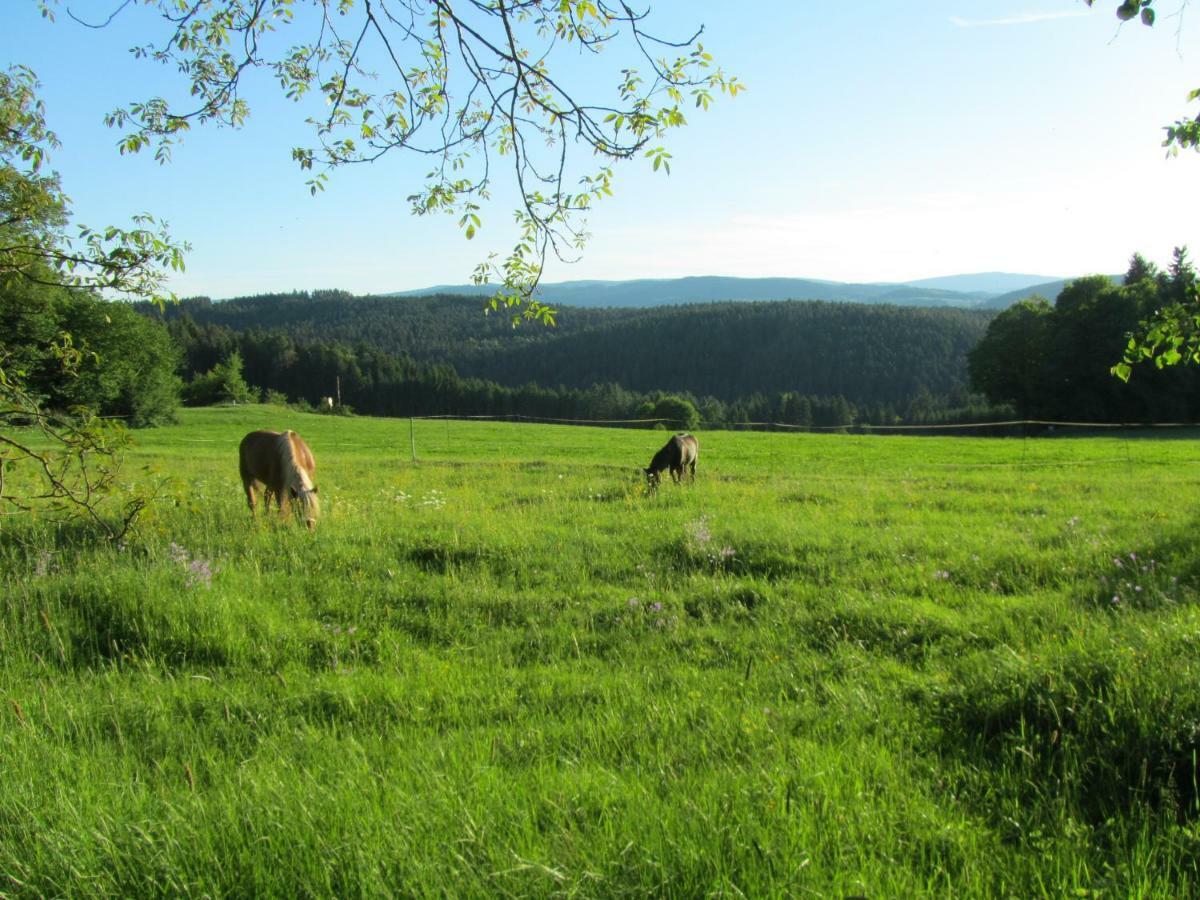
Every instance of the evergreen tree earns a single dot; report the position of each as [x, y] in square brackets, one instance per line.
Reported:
[1140, 269]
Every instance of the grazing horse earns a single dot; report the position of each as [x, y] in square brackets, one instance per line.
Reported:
[680, 452]
[284, 465]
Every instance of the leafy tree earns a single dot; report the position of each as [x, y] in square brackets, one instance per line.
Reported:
[1053, 362]
[1087, 330]
[1171, 333]
[34, 243]
[469, 84]
[223, 383]
[127, 361]
[70, 467]
[678, 412]
[64, 465]
[1008, 364]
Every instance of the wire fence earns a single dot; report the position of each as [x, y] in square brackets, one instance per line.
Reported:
[1041, 425]
[1028, 447]
[1029, 444]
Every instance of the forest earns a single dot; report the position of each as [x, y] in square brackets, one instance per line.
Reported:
[796, 363]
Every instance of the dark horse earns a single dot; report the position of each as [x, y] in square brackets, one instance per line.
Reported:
[680, 452]
[284, 465]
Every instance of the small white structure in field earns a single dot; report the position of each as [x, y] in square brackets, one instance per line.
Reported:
[327, 402]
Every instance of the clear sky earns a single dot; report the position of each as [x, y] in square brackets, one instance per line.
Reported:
[877, 141]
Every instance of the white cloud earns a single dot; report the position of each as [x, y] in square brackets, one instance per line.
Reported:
[1021, 19]
[905, 236]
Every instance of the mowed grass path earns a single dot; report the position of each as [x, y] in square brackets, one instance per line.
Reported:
[836, 665]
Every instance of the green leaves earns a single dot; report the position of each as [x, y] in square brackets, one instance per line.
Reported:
[462, 84]
[1172, 334]
[470, 221]
[1184, 133]
[1129, 9]
[34, 211]
[660, 157]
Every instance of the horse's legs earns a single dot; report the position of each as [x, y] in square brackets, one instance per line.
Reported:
[677, 473]
[248, 486]
[692, 470]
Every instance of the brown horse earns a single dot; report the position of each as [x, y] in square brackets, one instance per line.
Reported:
[680, 452]
[284, 465]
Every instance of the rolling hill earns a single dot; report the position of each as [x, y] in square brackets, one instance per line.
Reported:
[965, 291]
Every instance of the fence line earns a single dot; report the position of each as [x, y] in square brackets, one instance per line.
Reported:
[857, 428]
[862, 427]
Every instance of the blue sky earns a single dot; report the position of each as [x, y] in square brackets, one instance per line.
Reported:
[878, 141]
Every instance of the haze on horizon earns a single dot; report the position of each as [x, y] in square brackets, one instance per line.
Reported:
[877, 142]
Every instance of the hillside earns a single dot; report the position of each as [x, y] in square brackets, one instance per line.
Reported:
[726, 350]
[866, 353]
[440, 328]
[990, 283]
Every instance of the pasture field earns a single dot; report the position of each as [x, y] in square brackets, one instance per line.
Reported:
[836, 665]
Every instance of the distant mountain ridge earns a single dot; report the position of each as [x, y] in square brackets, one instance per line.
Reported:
[982, 282]
[1050, 290]
[969, 291]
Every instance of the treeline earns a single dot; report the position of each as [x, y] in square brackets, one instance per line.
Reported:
[1054, 361]
[374, 382]
[738, 353]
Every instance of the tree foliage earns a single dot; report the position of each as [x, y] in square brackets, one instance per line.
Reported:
[126, 364]
[796, 363]
[674, 411]
[869, 353]
[1008, 363]
[1170, 333]
[1054, 362]
[63, 459]
[470, 85]
[65, 465]
[1185, 132]
[223, 383]
[34, 214]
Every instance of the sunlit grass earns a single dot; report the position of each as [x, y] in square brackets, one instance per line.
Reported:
[840, 664]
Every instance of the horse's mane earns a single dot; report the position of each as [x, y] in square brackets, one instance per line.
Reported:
[295, 462]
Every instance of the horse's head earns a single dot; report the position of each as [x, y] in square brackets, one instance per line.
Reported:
[306, 498]
[652, 477]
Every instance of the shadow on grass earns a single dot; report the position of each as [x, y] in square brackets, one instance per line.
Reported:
[1102, 721]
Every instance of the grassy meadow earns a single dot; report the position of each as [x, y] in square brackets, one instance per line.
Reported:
[836, 665]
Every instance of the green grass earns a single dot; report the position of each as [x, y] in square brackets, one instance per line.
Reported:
[836, 665]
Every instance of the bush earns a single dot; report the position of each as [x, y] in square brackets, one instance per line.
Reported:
[223, 383]
[679, 412]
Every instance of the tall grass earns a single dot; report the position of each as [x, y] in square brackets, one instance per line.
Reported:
[835, 665]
